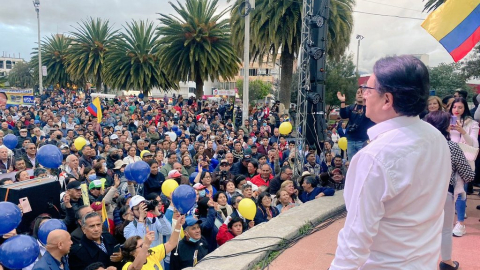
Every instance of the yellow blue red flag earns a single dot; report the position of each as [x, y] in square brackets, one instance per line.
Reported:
[456, 25]
[95, 108]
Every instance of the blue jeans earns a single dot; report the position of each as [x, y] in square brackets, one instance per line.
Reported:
[353, 147]
[460, 207]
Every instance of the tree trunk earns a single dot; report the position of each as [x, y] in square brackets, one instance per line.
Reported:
[198, 87]
[286, 61]
[145, 94]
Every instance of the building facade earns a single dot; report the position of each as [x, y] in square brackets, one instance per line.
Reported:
[7, 64]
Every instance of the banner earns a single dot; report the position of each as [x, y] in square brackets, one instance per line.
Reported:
[222, 92]
[16, 97]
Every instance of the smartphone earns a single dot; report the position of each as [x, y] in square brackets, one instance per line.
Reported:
[116, 248]
[453, 120]
[25, 205]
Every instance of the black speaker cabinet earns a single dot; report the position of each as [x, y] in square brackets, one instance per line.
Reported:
[43, 195]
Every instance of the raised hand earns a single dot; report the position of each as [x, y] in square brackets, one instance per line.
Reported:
[341, 96]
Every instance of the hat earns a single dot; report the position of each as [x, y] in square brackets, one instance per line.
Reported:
[95, 184]
[36, 121]
[64, 146]
[304, 174]
[96, 206]
[23, 130]
[224, 161]
[337, 170]
[114, 137]
[145, 153]
[31, 126]
[136, 200]
[199, 186]
[119, 164]
[190, 221]
[174, 174]
[117, 128]
[74, 185]
[246, 158]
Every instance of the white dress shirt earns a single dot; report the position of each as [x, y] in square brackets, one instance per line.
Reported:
[129, 159]
[394, 194]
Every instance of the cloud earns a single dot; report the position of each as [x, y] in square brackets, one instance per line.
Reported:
[383, 35]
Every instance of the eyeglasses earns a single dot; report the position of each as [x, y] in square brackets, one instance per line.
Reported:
[97, 188]
[365, 88]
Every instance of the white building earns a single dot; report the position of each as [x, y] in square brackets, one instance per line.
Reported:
[7, 63]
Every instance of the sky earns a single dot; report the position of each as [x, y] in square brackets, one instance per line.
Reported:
[382, 35]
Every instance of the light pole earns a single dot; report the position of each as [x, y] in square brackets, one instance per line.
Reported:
[36, 4]
[249, 5]
[359, 38]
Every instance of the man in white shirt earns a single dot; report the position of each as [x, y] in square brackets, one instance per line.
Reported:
[396, 186]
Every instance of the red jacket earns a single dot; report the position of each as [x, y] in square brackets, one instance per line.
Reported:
[257, 180]
[224, 235]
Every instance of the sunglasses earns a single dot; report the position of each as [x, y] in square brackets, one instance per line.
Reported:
[97, 188]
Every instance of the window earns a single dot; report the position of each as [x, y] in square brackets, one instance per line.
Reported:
[191, 90]
[9, 64]
[1, 64]
[252, 72]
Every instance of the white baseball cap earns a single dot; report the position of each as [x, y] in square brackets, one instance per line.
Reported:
[136, 200]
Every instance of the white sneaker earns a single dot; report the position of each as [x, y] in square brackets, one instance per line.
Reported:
[459, 230]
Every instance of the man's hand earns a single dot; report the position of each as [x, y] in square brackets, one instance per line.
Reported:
[341, 96]
[211, 203]
[10, 234]
[320, 195]
[66, 200]
[142, 208]
[82, 169]
[149, 237]
[116, 181]
[116, 257]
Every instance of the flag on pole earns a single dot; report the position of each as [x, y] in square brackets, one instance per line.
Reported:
[95, 108]
[456, 25]
[105, 216]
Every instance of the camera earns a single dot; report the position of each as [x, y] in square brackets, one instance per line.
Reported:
[151, 205]
[224, 173]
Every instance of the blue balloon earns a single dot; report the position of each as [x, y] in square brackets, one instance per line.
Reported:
[19, 251]
[184, 198]
[192, 177]
[128, 172]
[140, 171]
[179, 133]
[47, 227]
[50, 156]
[175, 129]
[10, 141]
[10, 217]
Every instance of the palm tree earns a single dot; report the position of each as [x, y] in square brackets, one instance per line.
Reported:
[90, 44]
[54, 57]
[276, 26]
[132, 62]
[432, 5]
[195, 46]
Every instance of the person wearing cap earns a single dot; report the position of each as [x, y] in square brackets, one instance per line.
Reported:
[114, 140]
[95, 193]
[74, 192]
[223, 175]
[146, 155]
[177, 176]
[192, 248]
[138, 227]
[23, 136]
[241, 167]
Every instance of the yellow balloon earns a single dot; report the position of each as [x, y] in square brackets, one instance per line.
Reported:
[247, 208]
[285, 128]
[342, 143]
[168, 187]
[80, 143]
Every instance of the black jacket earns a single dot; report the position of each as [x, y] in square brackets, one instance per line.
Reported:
[186, 250]
[358, 123]
[238, 168]
[87, 252]
[276, 183]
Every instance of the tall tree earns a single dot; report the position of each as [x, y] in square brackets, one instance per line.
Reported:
[276, 27]
[133, 63]
[257, 89]
[54, 57]
[471, 66]
[446, 78]
[86, 56]
[340, 77]
[21, 76]
[195, 45]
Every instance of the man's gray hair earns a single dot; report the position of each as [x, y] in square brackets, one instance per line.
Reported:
[89, 215]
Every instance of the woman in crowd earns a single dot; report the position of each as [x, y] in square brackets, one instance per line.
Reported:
[224, 208]
[283, 201]
[464, 130]
[288, 186]
[265, 210]
[434, 104]
[187, 164]
[460, 167]
[205, 178]
[138, 255]
[155, 179]
[230, 190]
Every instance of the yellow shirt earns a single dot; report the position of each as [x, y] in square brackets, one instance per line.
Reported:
[153, 260]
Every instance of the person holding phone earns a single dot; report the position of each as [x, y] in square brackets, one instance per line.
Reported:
[463, 130]
[138, 254]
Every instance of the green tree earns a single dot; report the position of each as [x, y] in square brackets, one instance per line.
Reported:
[276, 27]
[340, 78]
[133, 64]
[54, 57]
[431, 5]
[21, 76]
[195, 45]
[257, 89]
[471, 66]
[86, 55]
[3, 81]
[446, 78]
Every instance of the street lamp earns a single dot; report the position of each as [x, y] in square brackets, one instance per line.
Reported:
[36, 4]
[359, 37]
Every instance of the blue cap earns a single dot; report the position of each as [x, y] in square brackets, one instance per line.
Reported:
[37, 121]
[190, 221]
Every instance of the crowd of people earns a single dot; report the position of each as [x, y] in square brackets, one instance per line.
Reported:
[195, 142]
